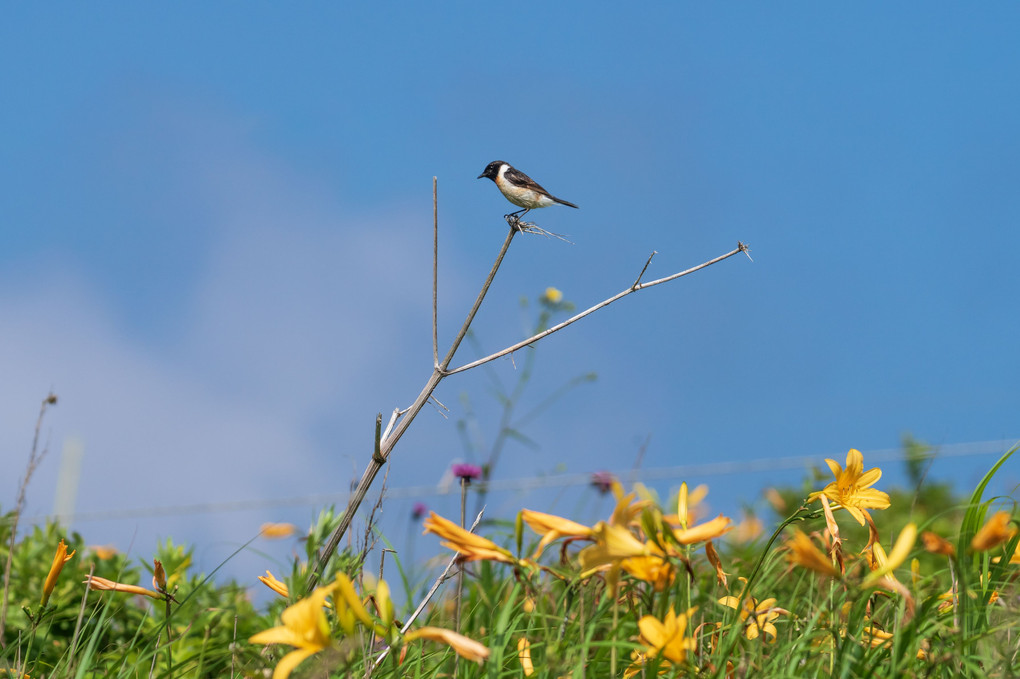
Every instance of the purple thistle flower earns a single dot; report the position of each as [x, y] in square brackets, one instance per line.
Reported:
[418, 510]
[603, 481]
[467, 471]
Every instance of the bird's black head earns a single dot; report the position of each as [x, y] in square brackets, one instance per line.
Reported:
[492, 170]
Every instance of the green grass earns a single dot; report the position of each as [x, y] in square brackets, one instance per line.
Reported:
[575, 623]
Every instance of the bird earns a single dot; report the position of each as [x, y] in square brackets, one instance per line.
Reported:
[520, 189]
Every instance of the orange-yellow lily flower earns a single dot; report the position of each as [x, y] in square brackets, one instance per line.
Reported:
[102, 584]
[524, 653]
[803, 552]
[59, 559]
[709, 530]
[757, 616]
[613, 543]
[552, 528]
[653, 569]
[936, 544]
[852, 488]
[103, 552]
[465, 647]
[158, 575]
[304, 626]
[884, 565]
[667, 638]
[278, 586]
[274, 531]
[470, 546]
[995, 531]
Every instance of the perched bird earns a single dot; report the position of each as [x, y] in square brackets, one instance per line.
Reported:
[519, 188]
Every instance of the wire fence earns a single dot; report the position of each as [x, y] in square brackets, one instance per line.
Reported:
[679, 472]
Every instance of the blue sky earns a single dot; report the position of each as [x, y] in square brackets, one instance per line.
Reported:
[216, 227]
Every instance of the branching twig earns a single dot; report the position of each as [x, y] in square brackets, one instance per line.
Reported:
[604, 303]
[435, 274]
[441, 370]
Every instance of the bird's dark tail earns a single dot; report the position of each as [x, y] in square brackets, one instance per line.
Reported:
[564, 202]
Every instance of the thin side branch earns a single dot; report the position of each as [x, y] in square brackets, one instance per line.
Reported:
[606, 302]
[432, 591]
[435, 273]
[644, 269]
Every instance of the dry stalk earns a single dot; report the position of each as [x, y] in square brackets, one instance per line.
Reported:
[441, 370]
[34, 458]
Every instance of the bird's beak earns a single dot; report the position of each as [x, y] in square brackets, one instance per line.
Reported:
[480, 176]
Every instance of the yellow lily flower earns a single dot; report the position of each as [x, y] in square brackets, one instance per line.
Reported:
[552, 528]
[709, 530]
[885, 565]
[613, 543]
[757, 616]
[936, 544]
[278, 586]
[803, 552]
[275, 531]
[524, 653]
[158, 575]
[59, 559]
[995, 531]
[304, 626]
[687, 502]
[470, 546]
[852, 488]
[103, 552]
[355, 606]
[465, 647]
[652, 569]
[102, 584]
[667, 638]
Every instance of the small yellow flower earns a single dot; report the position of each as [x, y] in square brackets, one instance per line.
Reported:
[304, 627]
[470, 546]
[465, 647]
[278, 586]
[274, 531]
[552, 296]
[102, 584]
[667, 638]
[59, 559]
[995, 531]
[852, 488]
[756, 616]
[803, 552]
[552, 528]
[524, 653]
